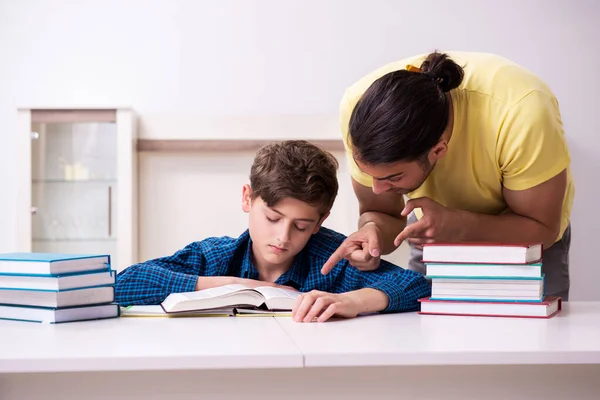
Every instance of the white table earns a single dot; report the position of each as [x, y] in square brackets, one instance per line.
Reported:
[384, 356]
[571, 337]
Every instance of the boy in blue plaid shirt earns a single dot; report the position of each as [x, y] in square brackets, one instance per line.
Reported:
[293, 185]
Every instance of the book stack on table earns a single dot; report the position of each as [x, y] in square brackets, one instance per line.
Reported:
[487, 279]
[54, 288]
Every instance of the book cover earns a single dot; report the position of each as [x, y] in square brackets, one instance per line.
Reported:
[549, 307]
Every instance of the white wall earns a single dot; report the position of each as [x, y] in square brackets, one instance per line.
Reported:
[169, 59]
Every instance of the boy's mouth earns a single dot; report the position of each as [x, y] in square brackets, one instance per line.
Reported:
[277, 250]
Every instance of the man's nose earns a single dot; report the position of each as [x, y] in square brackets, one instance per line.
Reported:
[379, 186]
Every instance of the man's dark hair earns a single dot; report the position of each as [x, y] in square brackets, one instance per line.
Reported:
[403, 114]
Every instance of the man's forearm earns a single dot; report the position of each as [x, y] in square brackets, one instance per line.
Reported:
[506, 227]
[369, 300]
[389, 226]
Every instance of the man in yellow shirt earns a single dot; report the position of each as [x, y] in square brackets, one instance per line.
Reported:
[475, 142]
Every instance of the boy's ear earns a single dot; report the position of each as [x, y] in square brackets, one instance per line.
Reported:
[246, 198]
[318, 226]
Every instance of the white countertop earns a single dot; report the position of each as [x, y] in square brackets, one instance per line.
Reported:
[146, 344]
[571, 337]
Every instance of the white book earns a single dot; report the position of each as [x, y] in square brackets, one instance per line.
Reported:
[438, 270]
[545, 309]
[493, 288]
[484, 253]
[235, 296]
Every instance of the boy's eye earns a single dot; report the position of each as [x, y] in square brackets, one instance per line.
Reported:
[272, 220]
[300, 229]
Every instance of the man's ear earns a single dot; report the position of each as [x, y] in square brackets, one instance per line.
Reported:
[246, 198]
[438, 151]
[318, 226]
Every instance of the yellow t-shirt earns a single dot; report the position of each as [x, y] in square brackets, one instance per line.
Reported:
[507, 132]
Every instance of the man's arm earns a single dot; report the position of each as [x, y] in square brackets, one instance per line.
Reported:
[535, 215]
[380, 221]
[385, 210]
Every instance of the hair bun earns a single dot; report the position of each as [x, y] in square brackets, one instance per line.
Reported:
[440, 68]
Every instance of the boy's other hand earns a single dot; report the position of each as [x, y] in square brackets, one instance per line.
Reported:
[362, 249]
[323, 305]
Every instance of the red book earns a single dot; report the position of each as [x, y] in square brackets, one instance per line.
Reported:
[545, 309]
[483, 253]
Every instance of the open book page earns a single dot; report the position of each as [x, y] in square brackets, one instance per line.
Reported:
[220, 291]
[222, 296]
[278, 298]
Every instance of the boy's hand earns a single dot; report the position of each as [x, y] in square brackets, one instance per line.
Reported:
[323, 305]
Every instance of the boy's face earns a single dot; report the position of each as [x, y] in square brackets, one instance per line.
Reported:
[280, 232]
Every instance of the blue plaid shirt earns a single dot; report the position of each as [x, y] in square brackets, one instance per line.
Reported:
[152, 281]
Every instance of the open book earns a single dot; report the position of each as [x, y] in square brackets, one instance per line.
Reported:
[238, 297]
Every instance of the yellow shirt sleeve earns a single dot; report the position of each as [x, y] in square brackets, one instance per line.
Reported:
[531, 142]
[346, 108]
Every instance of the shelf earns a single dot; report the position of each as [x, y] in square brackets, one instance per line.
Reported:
[231, 145]
[40, 240]
[74, 181]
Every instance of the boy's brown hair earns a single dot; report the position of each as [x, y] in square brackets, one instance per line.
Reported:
[296, 169]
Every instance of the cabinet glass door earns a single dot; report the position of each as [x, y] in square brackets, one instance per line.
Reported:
[73, 188]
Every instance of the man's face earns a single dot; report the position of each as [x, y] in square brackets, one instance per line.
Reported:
[400, 178]
[280, 232]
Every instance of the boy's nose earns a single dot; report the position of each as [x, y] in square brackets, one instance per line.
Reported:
[284, 235]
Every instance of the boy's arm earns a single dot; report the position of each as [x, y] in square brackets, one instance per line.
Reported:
[387, 289]
[152, 281]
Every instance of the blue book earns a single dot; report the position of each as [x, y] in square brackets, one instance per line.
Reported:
[58, 282]
[58, 299]
[52, 263]
[56, 316]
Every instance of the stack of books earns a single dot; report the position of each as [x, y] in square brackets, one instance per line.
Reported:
[54, 288]
[484, 279]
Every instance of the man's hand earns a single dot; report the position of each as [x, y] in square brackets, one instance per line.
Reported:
[323, 305]
[362, 249]
[438, 223]
[207, 282]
